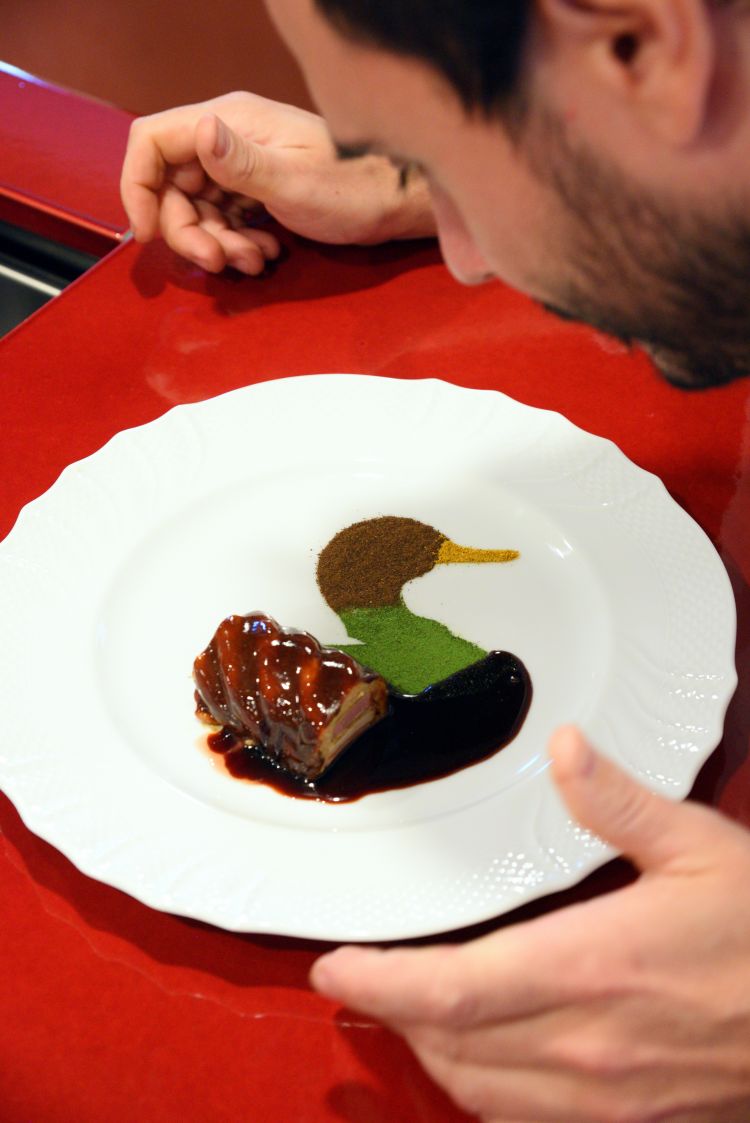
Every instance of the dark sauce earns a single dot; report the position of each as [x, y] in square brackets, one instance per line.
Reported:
[447, 727]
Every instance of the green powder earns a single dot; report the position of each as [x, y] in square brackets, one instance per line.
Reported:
[410, 652]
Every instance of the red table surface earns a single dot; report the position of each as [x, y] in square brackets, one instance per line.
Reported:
[109, 1010]
[60, 161]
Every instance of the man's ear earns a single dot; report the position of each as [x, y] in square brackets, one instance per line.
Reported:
[657, 56]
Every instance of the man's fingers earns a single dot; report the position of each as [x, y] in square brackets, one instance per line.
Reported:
[234, 161]
[266, 242]
[506, 1091]
[487, 980]
[154, 144]
[200, 231]
[182, 230]
[191, 179]
[395, 986]
[244, 248]
[241, 253]
[142, 176]
[655, 832]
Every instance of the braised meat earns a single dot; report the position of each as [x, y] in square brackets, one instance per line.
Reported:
[279, 690]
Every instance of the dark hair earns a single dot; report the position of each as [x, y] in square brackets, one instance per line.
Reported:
[477, 45]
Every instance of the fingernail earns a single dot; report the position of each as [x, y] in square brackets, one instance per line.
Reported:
[586, 759]
[248, 266]
[223, 140]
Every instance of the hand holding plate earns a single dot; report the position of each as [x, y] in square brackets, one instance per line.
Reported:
[633, 1006]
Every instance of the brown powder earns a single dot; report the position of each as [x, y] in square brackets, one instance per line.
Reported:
[368, 563]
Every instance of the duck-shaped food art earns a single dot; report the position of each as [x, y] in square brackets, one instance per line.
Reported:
[410, 702]
[361, 574]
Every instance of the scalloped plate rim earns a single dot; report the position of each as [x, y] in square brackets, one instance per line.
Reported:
[585, 862]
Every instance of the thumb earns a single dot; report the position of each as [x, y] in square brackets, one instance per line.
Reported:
[654, 832]
[233, 161]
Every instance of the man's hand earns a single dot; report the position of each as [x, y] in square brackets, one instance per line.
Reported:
[195, 175]
[631, 1008]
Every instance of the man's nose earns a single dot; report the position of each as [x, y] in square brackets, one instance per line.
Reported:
[460, 253]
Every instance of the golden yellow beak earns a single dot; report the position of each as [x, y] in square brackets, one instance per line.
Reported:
[450, 553]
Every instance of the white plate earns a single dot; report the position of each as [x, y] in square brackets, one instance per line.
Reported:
[114, 580]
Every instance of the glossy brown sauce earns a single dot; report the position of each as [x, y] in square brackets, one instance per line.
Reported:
[447, 727]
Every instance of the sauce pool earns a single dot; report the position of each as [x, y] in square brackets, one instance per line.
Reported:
[445, 728]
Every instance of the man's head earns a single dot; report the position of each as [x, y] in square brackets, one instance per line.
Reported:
[478, 46]
[592, 153]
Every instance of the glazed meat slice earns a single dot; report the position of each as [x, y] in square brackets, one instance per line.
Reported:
[278, 689]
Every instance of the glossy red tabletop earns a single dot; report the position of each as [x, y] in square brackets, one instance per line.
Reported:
[60, 159]
[109, 1010]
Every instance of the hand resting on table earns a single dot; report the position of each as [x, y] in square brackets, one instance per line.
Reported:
[196, 173]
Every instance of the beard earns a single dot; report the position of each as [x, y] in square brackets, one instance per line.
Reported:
[645, 269]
